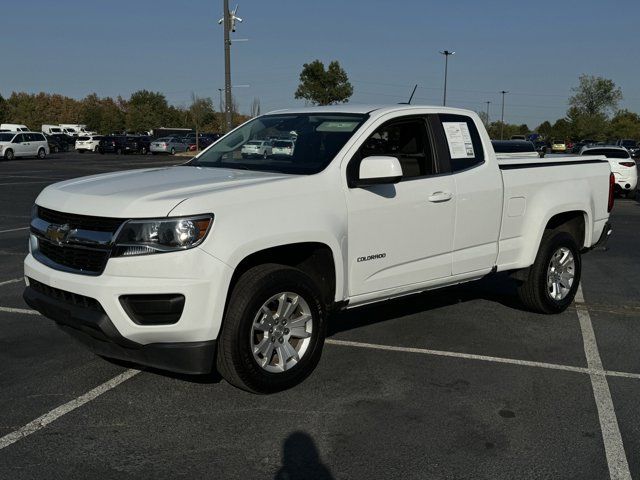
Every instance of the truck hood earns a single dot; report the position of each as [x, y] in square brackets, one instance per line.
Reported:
[147, 192]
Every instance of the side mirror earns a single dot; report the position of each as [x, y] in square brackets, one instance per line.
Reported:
[378, 170]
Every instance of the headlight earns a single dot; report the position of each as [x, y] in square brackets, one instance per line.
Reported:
[144, 237]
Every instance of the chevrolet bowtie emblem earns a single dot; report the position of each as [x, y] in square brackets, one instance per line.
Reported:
[57, 233]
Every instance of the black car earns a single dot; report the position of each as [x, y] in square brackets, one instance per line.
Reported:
[56, 144]
[67, 141]
[138, 144]
[113, 144]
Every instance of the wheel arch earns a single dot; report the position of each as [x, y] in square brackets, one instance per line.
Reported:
[317, 259]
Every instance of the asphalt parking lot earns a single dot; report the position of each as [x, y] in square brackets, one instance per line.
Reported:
[452, 384]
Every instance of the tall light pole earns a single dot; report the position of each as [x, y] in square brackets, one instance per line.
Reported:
[488, 103]
[503, 92]
[229, 22]
[227, 66]
[220, 90]
[446, 54]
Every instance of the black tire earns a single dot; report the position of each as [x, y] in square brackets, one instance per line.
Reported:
[80, 151]
[144, 151]
[173, 151]
[96, 149]
[9, 155]
[56, 149]
[235, 360]
[42, 153]
[265, 155]
[533, 292]
[119, 151]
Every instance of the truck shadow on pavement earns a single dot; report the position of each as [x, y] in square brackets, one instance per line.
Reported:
[498, 288]
[301, 460]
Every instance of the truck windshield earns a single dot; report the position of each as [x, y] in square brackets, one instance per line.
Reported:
[315, 140]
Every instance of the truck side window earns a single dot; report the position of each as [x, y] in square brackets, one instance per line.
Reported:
[457, 130]
[405, 139]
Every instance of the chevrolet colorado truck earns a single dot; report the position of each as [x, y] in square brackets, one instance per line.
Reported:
[235, 263]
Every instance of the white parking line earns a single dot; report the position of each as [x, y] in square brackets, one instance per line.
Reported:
[484, 358]
[25, 183]
[613, 446]
[14, 229]
[15, 280]
[58, 412]
[19, 310]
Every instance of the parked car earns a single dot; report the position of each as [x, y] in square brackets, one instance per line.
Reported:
[138, 144]
[541, 147]
[630, 145]
[514, 148]
[194, 269]
[51, 129]
[170, 145]
[558, 146]
[88, 143]
[283, 147]
[66, 140]
[622, 165]
[23, 144]
[257, 148]
[113, 144]
[56, 144]
[14, 127]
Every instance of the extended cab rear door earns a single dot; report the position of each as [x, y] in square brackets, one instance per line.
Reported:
[400, 235]
[479, 193]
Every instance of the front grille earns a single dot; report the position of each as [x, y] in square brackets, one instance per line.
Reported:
[66, 297]
[83, 222]
[81, 259]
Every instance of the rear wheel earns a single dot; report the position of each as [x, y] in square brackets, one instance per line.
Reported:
[143, 150]
[273, 331]
[42, 153]
[56, 149]
[553, 279]
[96, 149]
[119, 151]
[173, 151]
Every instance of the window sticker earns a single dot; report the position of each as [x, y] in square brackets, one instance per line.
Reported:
[459, 139]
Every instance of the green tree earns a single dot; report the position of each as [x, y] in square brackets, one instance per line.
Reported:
[324, 87]
[595, 96]
[146, 110]
[202, 113]
[3, 110]
[545, 129]
[624, 124]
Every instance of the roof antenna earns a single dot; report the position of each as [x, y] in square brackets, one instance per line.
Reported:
[411, 97]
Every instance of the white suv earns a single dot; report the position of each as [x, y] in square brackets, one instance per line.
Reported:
[23, 144]
[88, 144]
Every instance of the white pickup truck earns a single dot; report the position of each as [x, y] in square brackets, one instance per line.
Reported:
[235, 262]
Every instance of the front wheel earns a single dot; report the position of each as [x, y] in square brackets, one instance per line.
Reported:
[9, 155]
[553, 279]
[42, 153]
[273, 332]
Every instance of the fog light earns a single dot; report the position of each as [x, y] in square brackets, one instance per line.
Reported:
[162, 309]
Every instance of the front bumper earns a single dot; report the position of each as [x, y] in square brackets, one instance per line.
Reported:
[90, 324]
[202, 279]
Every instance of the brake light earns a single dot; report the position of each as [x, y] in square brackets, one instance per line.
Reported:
[612, 184]
[627, 164]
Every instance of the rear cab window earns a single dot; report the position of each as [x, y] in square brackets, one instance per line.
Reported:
[460, 141]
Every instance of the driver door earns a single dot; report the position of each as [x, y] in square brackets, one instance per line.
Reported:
[401, 235]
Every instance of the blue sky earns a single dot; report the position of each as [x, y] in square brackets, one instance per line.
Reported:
[535, 50]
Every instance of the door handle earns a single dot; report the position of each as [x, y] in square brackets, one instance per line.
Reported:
[437, 197]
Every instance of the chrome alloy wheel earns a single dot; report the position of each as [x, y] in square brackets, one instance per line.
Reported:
[561, 273]
[281, 332]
